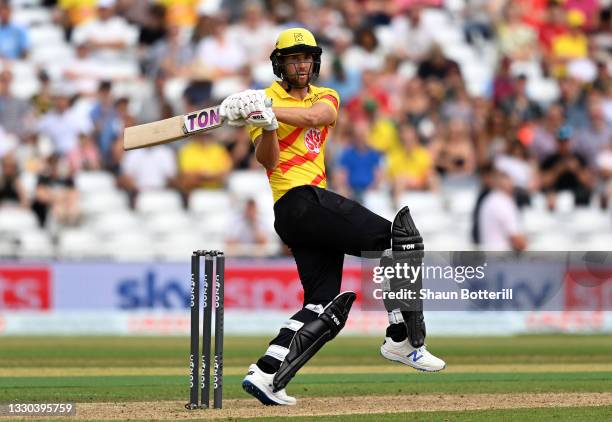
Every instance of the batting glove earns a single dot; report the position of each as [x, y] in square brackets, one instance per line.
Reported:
[258, 115]
[229, 111]
[256, 109]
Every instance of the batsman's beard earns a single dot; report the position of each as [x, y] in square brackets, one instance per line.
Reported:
[293, 79]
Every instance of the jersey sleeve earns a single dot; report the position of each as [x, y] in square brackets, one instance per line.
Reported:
[331, 97]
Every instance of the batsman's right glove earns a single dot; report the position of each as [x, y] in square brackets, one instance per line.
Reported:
[256, 109]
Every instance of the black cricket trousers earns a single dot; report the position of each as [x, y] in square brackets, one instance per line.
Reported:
[320, 227]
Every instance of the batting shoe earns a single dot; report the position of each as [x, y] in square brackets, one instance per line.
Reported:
[259, 384]
[403, 352]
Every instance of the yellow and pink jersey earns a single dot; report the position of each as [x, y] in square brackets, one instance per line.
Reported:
[302, 150]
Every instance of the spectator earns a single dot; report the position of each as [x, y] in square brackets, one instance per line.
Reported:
[203, 163]
[345, 80]
[63, 124]
[170, 56]
[109, 35]
[478, 25]
[14, 112]
[591, 139]
[73, 13]
[84, 70]
[487, 173]
[555, 25]
[567, 170]
[392, 81]
[414, 38]
[147, 169]
[571, 44]
[459, 107]
[359, 165]
[491, 138]
[517, 40]
[365, 53]
[417, 106]
[12, 190]
[603, 163]
[41, 101]
[518, 107]
[247, 231]
[14, 40]
[56, 192]
[542, 141]
[152, 21]
[254, 32]
[454, 151]
[498, 218]
[241, 150]
[85, 156]
[32, 153]
[371, 94]
[573, 101]
[435, 65]
[104, 116]
[522, 171]
[411, 166]
[601, 38]
[180, 13]
[603, 79]
[383, 136]
[218, 55]
[503, 82]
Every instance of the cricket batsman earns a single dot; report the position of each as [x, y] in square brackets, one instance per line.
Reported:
[319, 226]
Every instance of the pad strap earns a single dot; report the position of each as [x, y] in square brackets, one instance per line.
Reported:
[309, 339]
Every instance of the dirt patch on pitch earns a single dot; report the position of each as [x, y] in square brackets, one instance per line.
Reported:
[363, 369]
[245, 408]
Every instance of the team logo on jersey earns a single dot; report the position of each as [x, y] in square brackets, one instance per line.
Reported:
[312, 140]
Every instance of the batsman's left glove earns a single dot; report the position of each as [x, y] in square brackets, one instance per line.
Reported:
[228, 110]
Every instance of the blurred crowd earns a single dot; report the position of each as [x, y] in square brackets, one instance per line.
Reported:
[432, 92]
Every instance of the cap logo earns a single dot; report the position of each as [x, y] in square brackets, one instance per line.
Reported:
[298, 37]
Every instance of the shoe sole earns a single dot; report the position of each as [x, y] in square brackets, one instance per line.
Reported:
[397, 359]
[256, 392]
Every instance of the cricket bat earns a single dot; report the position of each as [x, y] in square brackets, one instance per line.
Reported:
[168, 130]
[177, 127]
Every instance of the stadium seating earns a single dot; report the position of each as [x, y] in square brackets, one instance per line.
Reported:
[115, 222]
[168, 231]
[94, 181]
[14, 220]
[205, 202]
[35, 244]
[103, 202]
[157, 201]
[79, 244]
[164, 224]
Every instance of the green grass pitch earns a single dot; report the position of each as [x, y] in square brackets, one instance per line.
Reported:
[151, 369]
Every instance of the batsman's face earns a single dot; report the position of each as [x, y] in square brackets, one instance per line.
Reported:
[298, 68]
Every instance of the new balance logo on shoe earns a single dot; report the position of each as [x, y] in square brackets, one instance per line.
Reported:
[414, 355]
